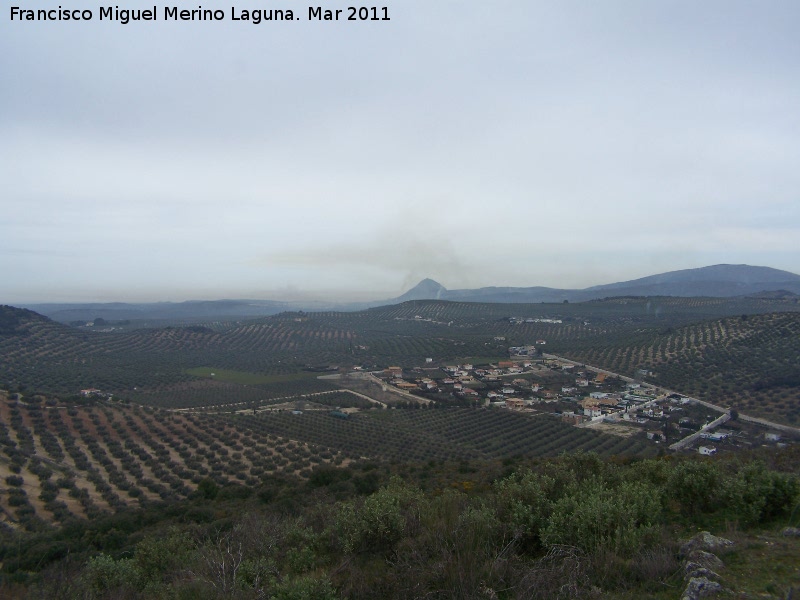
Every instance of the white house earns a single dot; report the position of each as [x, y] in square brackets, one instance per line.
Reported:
[707, 451]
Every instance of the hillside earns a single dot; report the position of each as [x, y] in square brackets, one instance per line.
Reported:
[287, 351]
[518, 528]
[15, 321]
[88, 458]
[159, 311]
[83, 458]
[249, 486]
[717, 280]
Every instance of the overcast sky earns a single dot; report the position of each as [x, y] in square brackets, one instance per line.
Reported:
[559, 143]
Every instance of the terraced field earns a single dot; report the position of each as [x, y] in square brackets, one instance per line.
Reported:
[61, 461]
[419, 435]
[207, 393]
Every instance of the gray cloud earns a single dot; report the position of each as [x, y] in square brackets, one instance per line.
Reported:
[511, 143]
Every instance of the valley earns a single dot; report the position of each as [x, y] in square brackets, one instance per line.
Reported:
[207, 420]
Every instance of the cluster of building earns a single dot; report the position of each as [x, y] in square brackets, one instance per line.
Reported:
[95, 393]
[722, 438]
[499, 387]
[582, 396]
[520, 320]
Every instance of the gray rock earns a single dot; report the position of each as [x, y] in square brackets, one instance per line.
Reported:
[693, 570]
[700, 587]
[706, 542]
[707, 559]
[791, 532]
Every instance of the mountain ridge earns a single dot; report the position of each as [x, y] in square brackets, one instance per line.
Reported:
[721, 281]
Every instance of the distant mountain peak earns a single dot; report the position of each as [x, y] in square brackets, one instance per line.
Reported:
[427, 289]
[428, 283]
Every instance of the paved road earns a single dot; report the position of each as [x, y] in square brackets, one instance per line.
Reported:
[249, 403]
[371, 377]
[722, 409]
[395, 390]
[680, 444]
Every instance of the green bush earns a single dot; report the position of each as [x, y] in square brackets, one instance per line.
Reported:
[157, 556]
[756, 494]
[324, 476]
[524, 502]
[104, 575]
[256, 573]
[17, 497]
[695, 486]
[596, 517]
[380, 520]
[305, 588]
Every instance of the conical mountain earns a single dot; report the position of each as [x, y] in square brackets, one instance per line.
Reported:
[427, 289]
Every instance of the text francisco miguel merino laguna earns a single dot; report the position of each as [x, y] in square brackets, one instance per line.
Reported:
[174, 13]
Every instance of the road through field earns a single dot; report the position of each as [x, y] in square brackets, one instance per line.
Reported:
[722, 409]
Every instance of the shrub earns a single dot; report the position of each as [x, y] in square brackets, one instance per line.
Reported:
[17, 497]
[208, 489]
[157, 556]
[381, 520]
[755, 494]
[524, 503]
[597, 517]
[104, 575]
[256, 573]
[694, 485]
[305, 588]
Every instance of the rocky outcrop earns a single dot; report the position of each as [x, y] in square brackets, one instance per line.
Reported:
[700, 587]
[791, 532]
[706, 542]
[707, 560]
[692, 570]
[701, 564]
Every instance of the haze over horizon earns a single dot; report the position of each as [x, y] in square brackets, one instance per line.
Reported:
[511, 144]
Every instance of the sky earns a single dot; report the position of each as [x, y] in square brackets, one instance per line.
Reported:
[513, 143]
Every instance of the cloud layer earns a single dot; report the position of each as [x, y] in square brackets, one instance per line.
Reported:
[513, 143]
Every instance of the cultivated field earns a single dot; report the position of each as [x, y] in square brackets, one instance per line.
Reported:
[46, 356]
[61, 461]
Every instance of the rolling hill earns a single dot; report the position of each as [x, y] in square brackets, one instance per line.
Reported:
[718, 281]
[286, 351]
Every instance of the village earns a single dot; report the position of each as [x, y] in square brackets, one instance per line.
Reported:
[537, 384]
